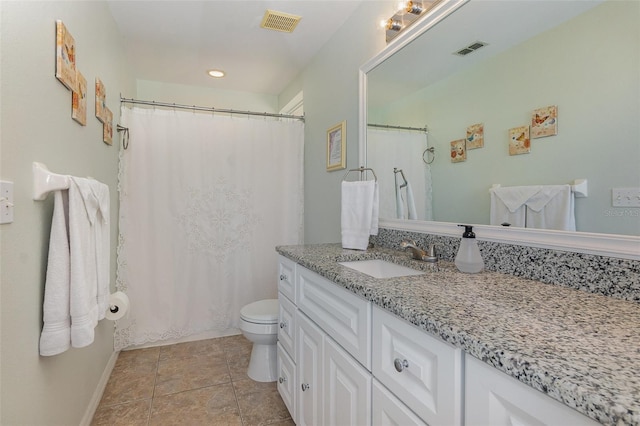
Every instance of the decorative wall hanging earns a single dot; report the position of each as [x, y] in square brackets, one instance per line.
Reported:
[336, 147]
[79, 100]
[544, 122]
[458, 151]
[101, 100]
[107, 127]
[519, 141]
[65, 56]
[475, 136]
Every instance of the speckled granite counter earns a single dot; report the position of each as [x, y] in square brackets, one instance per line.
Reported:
[580, 348]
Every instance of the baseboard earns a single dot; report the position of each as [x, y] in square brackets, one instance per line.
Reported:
[97, 394]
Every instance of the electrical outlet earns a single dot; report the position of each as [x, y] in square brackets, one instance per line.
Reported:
[6, 201]
[625, 197]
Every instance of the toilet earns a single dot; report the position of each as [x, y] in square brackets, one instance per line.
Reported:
[259, 324]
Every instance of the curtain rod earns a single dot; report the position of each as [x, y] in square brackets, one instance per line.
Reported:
[424, 129]
[208, 109]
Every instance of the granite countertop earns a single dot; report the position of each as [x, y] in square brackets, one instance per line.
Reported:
[581, 349]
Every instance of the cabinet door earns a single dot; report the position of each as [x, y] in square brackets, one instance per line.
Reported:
[286, 277]
[494, 398]
[341, 314]
[422, 371]
[347, 388]
[287, 383]
[389, 410]
[310, 342]
[287, 325]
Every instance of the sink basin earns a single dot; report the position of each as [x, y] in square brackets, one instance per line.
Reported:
[378, 268]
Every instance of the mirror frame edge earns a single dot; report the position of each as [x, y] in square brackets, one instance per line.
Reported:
[612, 245]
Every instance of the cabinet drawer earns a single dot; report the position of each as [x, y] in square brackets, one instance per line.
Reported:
[287, 325]
[389, 410]
[493, 397]
[341, 314]
[419, 369]
[287, 383]
[286, 277]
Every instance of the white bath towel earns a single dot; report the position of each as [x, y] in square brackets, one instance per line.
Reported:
[359, 213]
[400, 214]
[56, 332]
[89, 257]
[508, 204]
[411, 203]
[552, 208]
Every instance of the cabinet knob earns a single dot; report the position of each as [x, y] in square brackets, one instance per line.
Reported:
[305, 386]
[283, 324]
[400, 364]
[282, 380]
[283, 277]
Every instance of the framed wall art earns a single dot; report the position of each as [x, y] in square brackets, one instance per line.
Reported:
[458, 151]
[107, 127]
[336, 147]
[519, 140]
[475, 136]
[544, 122]
[65, 56]
[79, 100]
[101, 100]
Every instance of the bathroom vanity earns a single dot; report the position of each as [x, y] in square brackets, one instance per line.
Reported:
[448, 348]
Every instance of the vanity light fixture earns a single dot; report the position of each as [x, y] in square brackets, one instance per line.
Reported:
[216, 73]
[408, 12]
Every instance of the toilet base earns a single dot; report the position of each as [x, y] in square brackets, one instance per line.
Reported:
[263, 363]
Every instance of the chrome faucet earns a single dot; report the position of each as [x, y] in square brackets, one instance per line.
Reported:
[418, 253]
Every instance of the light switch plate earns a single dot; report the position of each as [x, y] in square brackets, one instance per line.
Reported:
[625, 197]
[6, 201]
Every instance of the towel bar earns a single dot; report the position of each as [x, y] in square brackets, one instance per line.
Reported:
[361, 170]
[44, 181]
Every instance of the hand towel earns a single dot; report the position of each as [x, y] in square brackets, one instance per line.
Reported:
[411, 204]
[359, 213]
[399, 203]
[552, 208]
[508, 204]
[56, 332]
[89, 257]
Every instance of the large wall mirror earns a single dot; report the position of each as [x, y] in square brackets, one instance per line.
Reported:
[582, 57]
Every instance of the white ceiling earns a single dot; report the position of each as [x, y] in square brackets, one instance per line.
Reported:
[177, 41]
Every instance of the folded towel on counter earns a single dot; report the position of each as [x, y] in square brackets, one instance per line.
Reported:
[552, 208]
[89, 253]
[359, 213]
[56, 332]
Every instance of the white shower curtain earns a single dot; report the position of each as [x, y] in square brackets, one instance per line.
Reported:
[389, 148]
[204, 200]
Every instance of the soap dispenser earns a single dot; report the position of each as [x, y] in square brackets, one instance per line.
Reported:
[468, 258]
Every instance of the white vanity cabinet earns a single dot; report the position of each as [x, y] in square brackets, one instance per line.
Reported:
[388, 410]
[287, 328]
[422, 371]
[494, 398]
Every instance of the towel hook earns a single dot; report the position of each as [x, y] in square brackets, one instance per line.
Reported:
[431, 151]
[125, 136]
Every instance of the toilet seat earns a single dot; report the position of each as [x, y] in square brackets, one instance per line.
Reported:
[261, 312]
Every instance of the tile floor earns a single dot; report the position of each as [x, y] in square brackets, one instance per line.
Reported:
[196, 383]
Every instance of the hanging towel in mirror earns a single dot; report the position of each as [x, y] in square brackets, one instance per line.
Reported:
[552, 208]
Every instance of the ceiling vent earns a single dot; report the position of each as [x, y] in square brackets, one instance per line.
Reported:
[470, 48]
[279, 21]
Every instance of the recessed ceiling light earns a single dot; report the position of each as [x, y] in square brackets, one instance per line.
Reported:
[216, 73]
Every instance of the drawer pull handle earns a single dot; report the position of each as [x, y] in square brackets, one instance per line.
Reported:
[282, 380]
[400, 364]
[283, 324]
[283, 277]
[305, 386]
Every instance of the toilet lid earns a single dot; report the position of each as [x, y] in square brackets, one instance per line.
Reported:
[261, 312]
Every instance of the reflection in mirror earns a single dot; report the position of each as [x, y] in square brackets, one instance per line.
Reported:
[582, 57]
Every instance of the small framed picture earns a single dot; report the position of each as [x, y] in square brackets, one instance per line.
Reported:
[458, 151]
[475, 136]
[544, 122]
[107, 127]
[65, 56]
[336, 147]
[101, 100]
[79, 100]
[519, 141]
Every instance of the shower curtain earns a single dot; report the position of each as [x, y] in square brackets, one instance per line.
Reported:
[204, 200]
[389, 148]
